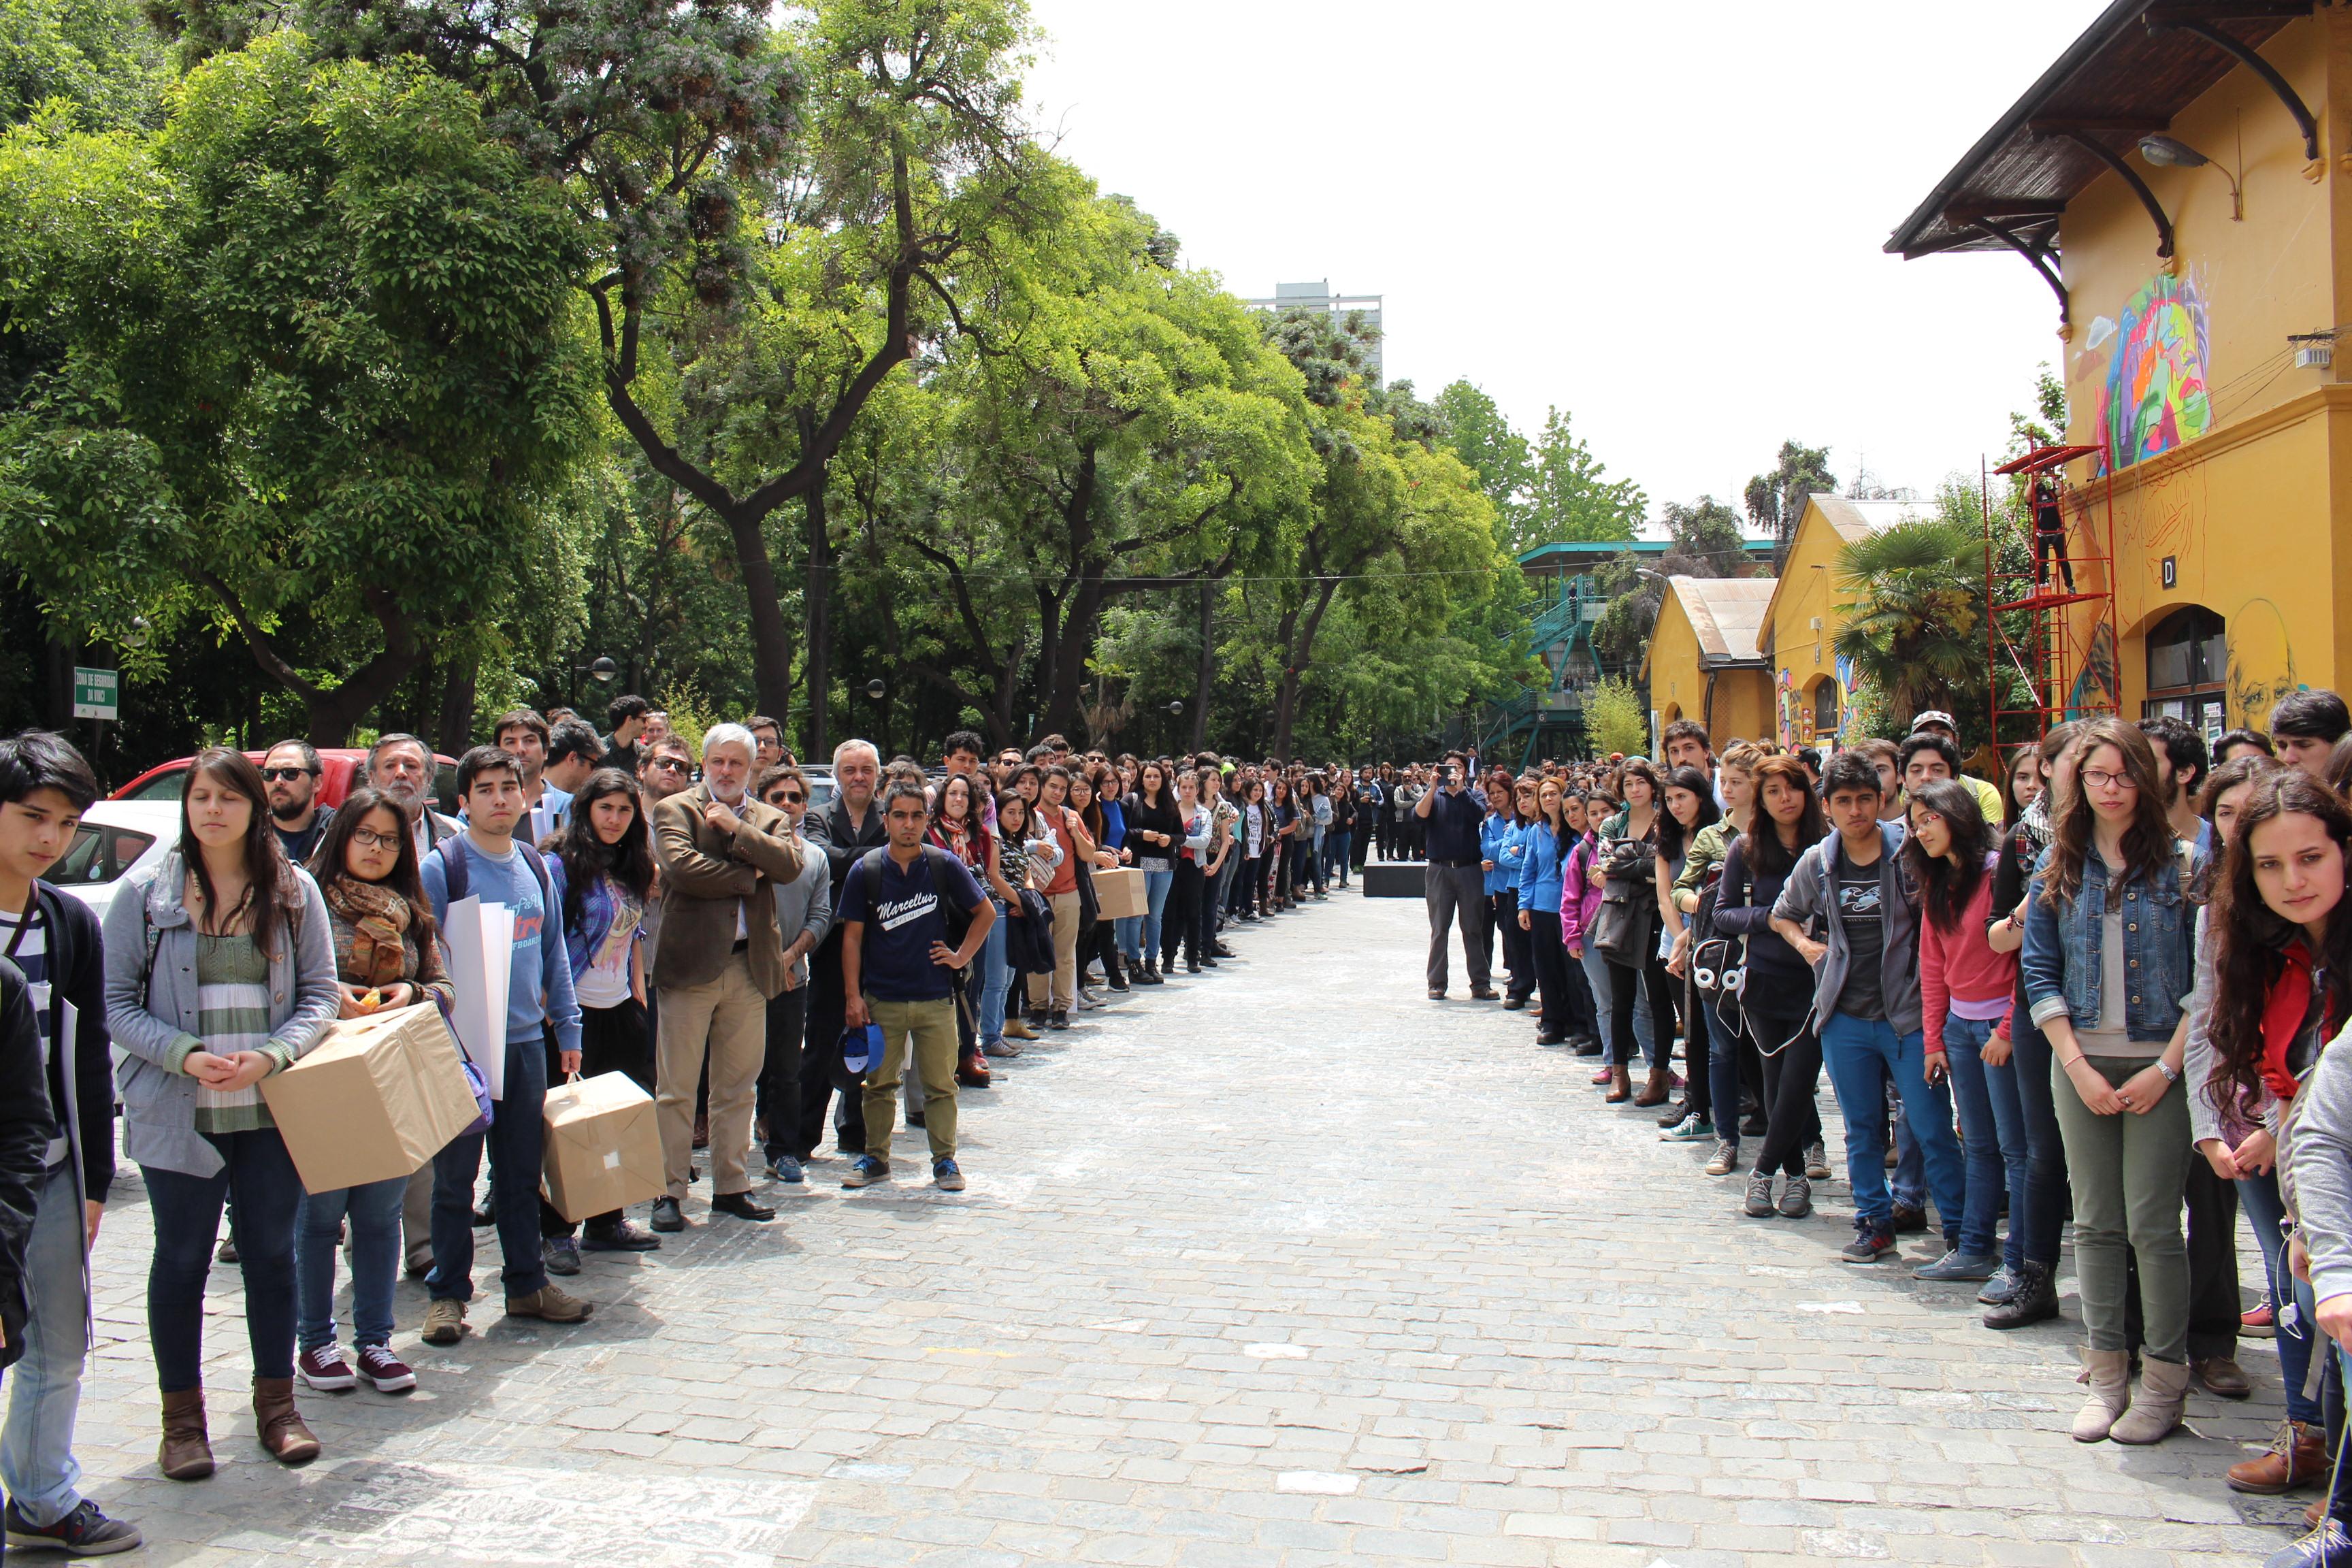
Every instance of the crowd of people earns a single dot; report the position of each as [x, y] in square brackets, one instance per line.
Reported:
[763, 957]
[2101, 988]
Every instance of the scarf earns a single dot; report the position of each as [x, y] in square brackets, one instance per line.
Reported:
[382, 951]
[2298, 1017]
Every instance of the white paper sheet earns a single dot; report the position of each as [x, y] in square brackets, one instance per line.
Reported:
[481, 953]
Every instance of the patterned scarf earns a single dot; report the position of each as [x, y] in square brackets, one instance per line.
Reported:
[382, 949]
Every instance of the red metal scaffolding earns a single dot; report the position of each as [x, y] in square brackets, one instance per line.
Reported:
[2059, 642]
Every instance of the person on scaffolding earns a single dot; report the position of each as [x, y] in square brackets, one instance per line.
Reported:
[2050, 532]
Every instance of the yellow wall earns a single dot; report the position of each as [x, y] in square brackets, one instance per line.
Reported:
[1742, 708]
[2251, 512]
[1800, 654]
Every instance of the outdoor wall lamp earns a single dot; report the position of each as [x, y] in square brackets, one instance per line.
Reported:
[2170, 152]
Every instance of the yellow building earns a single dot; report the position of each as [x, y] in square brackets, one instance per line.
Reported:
[1800, 620]
[2182, 179]
[1703, 661]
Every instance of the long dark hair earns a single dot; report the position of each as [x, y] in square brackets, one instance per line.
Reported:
[271, 893]
[2249, 937]
[1947, 881]
[1767, 856]
[328, 862]
[975, 821]
[587, 857]
[1672, 835]
[2225, 777]
[2146, 844]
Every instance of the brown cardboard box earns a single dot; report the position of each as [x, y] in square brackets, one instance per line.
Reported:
[1121, 893]
[375, 1099]
[603, 1150]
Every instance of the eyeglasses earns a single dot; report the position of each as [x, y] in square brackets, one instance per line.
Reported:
[368, 838]
[2099, 778]
[288, 774]
[784, 797]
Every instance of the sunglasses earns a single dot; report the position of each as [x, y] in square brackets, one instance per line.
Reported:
[285, 774]
[784, 797]
[669, 764]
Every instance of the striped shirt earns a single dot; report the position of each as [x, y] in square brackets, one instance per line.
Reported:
[233, 1016]
[25, 938]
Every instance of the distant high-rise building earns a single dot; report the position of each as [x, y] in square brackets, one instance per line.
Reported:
[1318, 296]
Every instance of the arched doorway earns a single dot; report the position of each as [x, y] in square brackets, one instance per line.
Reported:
[2187, 660]
[1826, 717]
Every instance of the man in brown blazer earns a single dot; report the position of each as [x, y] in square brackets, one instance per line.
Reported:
[718, 961]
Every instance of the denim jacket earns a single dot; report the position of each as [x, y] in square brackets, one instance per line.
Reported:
[2060, 962]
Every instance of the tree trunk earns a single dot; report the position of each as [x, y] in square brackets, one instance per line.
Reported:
[453, 729]
[816, 659]
[1295, 657]
[1201, 670]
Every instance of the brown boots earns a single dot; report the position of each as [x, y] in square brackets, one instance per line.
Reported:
[1621, 1085]
[281, 1429]
[2298, 1455]
[1655, 1091]
[186, 1454]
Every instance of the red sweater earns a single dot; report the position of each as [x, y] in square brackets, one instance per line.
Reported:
[1960, 963]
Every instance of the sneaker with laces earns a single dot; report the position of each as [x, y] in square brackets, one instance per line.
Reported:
[865, 1170]
[1999, 1289]
[1726, 1155]
[560, 1254]
[444, 1321]
[384, 1372]
[1691, 1128]
[325, 1370]
[622, 1236]
[1760, 1194]
[787, 1169]
[1871, 1242]
[550, 1305]
[1796, 1198]
[1817, 1161]
[1958, 1265]
[84, 1532]
[947, 1176]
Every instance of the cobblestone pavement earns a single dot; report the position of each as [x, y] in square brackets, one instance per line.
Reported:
[1283, 1265]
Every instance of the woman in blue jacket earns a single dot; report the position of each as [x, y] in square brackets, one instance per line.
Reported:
[1500, 846]
[2109, 961]
[1544, 845]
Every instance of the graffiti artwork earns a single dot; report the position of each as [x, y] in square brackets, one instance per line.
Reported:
[2155, 397]
[2262, 662]
[2099, 688]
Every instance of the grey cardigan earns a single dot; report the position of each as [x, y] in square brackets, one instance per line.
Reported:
[805, 903]
[152, 1009]
[1807, 896]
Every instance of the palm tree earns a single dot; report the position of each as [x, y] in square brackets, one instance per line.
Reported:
[1913, 619]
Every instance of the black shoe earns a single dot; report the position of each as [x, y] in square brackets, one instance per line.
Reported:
[741, 1206]
[1219, 949]
[1057, 1019]
[1908, 1221]
[1587, 1046]
[665, 1216]
[2034, 1299]
[914, 1119]
[483, 1218]
[1193, 965]
[621, 1238]
[84, 1532]
[1754, 1127]
[1512, 1004]
[1117, 979]
[1149, 976]
[1208, 961]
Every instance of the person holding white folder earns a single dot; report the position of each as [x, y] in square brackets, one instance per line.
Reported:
[486, 862]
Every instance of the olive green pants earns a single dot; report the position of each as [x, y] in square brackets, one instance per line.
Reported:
[2129, 1172]
[927, 1032]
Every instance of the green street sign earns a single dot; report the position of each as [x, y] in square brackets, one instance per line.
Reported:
[97, 693]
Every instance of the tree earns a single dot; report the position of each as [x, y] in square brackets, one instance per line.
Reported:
[95, 63]
[1572, 497]
[1913, 618]
[311, 357]
[1475, 431]
[1777, 499]
[1615, 718]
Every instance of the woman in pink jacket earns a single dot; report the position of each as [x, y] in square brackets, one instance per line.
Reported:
[1579, 905]
[1965, 990]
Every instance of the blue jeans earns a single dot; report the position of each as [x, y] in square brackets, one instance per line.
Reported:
[2259, 1196]
[44, 1387]
[1334, 854]
[516, 1144]
[259, 1174]
[996, 978]
[1155, 897]
[1722, 1070]
[1862, 1055]
[2046, 1192]
[1994, 1127]
[1129, 931]
[374, 1211]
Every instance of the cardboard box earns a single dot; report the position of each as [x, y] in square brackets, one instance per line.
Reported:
[602, 1149]
[375, 1099]
[1121, 893]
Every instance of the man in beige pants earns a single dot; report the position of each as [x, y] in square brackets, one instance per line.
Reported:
[718, 961]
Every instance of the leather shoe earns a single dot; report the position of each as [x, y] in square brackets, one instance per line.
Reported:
[2298, 1457]
[1908, 1221]
[665, 1216]
[2223, 1377]
[1485, 994]
[741, 1206]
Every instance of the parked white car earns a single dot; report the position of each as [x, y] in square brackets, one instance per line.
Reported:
[116, 837]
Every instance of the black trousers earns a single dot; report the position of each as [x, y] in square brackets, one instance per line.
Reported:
[1547, 955]
[1792, 1113]
[1583, 1008]
[612, 1039]
[1503, 917]
[1653, 979]
[779, 1104]
[1180, 923]
[2049, 541]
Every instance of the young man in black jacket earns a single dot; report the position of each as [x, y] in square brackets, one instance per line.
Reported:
[53, 944]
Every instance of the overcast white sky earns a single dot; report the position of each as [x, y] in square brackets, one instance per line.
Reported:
[1664, 220]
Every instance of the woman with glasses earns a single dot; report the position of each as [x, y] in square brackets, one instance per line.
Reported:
[2108, 959]
[386, 956]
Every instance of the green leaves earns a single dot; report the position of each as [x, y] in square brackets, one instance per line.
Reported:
[1914, 614]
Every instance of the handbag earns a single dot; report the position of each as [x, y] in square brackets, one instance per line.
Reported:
[1621, 931]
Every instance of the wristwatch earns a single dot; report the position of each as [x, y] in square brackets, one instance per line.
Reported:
[2171, 1074]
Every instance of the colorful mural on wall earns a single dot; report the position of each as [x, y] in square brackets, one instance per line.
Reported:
[2156, 397]
[2098, 688]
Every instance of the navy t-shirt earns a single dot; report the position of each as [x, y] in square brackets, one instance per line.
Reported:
[902, 919]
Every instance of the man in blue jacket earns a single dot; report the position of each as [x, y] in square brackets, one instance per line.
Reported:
[485, 861]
